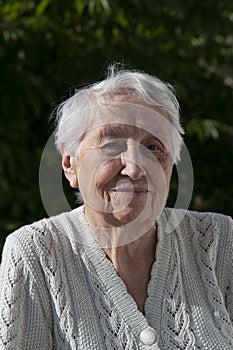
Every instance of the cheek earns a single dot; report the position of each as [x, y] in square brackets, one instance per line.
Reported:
[166, 164]
[106, 173]
[159, 176]
[94, 176]
[96, 172]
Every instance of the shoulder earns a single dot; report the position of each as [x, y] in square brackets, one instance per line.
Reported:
[210, 224]
[41, 236]
[199, 221]
[206, 232]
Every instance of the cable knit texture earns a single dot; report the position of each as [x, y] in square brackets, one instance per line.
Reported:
[59, 291]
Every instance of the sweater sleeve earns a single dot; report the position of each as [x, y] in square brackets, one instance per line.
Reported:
[25, 320]
[229, 258]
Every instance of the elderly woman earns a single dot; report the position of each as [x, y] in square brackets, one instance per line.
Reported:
[121, 271]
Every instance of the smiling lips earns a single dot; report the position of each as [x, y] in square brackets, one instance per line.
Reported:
[130, 190]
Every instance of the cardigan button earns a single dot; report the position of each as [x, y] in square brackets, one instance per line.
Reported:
[148, 336]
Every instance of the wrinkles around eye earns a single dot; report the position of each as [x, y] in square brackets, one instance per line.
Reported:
[113, 147]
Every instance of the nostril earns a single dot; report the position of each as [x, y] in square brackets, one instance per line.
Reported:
[131, 169]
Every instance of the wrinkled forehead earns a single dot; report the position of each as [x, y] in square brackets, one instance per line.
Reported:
[118, 130]
[134, 117]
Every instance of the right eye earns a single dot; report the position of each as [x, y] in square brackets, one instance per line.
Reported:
[110, 145]
[113, 147]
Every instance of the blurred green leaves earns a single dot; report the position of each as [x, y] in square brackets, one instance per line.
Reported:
[207, 128]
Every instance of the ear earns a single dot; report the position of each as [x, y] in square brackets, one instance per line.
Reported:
[70, 167]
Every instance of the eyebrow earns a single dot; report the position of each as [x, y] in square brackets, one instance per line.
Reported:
[120, 131]
[111, 131]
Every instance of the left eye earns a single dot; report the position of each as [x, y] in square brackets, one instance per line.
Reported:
[153, 147]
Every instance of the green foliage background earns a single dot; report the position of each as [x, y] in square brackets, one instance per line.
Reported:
[48, 48]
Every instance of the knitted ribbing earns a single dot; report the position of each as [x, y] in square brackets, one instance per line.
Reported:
[59, 291]
[117, 334]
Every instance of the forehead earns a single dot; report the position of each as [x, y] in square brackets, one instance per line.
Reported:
[132, 113]
[128, 112]
[127, 117]
[116, 130]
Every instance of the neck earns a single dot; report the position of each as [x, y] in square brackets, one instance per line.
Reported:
[131, 249]
[136, 252]
[134, 237]
[133, 263]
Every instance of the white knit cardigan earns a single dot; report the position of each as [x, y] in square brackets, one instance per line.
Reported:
[58, 290]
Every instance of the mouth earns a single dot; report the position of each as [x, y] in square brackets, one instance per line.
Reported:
[130, 190]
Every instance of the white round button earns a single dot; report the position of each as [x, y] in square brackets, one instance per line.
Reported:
[148, 336]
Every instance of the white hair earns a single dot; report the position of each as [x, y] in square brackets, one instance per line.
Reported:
[74, 117]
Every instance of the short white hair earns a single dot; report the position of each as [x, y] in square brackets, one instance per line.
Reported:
[73, 116]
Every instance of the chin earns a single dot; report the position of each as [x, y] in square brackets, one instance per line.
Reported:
[126, 215]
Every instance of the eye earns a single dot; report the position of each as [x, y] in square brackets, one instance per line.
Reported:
[113, 147]
[153, 147]
[110, 145]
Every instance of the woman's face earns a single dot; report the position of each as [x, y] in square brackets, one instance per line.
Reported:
[123, 169]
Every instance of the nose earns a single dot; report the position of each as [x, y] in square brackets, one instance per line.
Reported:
[130, 161]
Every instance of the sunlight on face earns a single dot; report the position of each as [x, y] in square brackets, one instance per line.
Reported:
[124, 169]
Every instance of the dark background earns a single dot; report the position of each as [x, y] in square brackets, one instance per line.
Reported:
[49, 48]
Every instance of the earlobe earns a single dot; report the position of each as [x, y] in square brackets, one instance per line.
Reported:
[70, 165]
